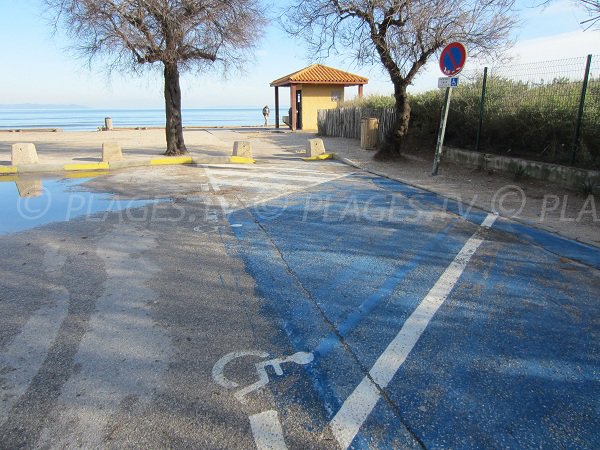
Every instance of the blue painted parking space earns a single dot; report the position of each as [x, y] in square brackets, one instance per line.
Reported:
[510, 359]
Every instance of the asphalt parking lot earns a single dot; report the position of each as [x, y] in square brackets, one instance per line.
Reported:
[290, 304]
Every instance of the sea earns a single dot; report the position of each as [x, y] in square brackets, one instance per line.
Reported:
[86, 119]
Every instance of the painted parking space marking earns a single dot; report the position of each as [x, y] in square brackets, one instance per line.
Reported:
[325, 343]
[300, 168]
[23, 358]
[255, 230]
[348, 420]
[302, 261]
[260, 186]
[267, 431]
[257, 177]
[371, 302]
[509, 360]
[218, 371]
[263, 175]
[211, 181]
[218, 178]
[489, 220]
[300, 358]
[266, 427]
[86, 402]
[357, 407]
[262, 201]
[551, 242]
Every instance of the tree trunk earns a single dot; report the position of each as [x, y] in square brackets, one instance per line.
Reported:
[174, 126]
[392, 145]
[402, 110]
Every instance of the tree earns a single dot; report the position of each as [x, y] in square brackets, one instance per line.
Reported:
[401, 35]
[593, 9]
[177, 34]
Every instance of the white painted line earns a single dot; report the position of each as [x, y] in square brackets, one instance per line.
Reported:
[313, 170]
[221, 167]
[285, 177]
[263, 377]
[267, 431]
[264, 185]
[219, 368]
[213, 184]
[22, 358]
[258, 180]
[109, 372]
[266, 169]
[288, 172]
[360, 403]
[489, 220]
[268, 199]
[302, 167]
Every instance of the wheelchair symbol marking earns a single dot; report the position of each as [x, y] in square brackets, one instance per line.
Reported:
[300, 358]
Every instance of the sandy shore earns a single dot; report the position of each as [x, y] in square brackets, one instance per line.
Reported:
[544, 206]
[87, 145]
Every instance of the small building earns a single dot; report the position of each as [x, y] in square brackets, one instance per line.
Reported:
[312, 88]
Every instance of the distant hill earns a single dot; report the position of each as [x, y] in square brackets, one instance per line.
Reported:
[40, 106]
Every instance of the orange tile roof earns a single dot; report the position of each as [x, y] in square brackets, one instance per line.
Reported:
[320, 74]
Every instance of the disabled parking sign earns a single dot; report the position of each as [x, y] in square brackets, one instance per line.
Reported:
[453, 58]
[447, 82]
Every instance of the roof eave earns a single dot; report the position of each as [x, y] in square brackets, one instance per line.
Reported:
[287, 83]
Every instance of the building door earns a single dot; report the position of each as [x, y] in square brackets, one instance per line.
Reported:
[299, 109]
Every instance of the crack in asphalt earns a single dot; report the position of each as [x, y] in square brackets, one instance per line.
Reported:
[333, 328]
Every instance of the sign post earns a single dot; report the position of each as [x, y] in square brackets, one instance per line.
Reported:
[441, 132]
[452, 61]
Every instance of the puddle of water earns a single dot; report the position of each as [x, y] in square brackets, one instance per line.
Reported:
[27, 202]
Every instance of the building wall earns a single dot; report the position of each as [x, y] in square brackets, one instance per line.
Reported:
[315, 97]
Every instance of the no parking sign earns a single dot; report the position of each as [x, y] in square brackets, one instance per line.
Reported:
[453, 58]
[452, 61]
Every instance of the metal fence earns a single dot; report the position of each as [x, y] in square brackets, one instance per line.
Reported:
[548, 111]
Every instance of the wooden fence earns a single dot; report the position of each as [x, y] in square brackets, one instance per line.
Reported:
[345, 122]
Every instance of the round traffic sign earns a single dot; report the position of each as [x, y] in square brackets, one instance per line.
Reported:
[452, 59]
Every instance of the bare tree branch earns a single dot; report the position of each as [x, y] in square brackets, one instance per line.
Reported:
[593, 9]
[400, 35]
[179, 34]
[591, 6]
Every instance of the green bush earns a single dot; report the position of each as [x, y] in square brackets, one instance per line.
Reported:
[534, 120]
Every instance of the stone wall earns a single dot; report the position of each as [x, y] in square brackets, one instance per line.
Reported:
[569, 177]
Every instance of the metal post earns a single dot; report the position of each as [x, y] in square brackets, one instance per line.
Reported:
[586, 77]
[293, 104]
[441, 133]
[277, 107]
[481, 109]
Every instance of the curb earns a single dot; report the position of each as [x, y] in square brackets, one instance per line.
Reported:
[113, 165]
[88, 166]
[348, 162]
[322, 157]
[173, 160]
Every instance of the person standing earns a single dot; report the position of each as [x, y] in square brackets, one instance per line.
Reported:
[266, 112]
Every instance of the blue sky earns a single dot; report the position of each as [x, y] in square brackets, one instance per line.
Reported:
[37, 68]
